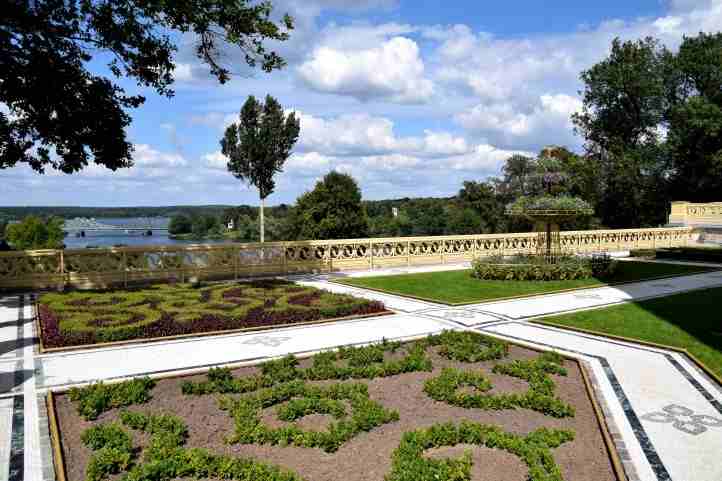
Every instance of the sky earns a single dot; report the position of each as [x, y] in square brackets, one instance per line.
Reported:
[411, 97]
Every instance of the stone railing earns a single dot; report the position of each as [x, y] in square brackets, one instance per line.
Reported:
[97, 268]
[696, 215]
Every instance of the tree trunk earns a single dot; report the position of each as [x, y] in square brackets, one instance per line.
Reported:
[263, 202]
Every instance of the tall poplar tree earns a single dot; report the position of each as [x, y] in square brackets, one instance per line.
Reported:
[259, 144]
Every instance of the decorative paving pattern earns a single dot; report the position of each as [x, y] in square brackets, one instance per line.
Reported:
[595, 297]
[465, 317]
[663, 285]
[267, 341]
[684, 419]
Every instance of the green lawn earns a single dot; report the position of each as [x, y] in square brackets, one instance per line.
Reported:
[457, 287]
[692, 321]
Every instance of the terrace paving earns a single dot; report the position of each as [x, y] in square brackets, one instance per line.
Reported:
[664, 413]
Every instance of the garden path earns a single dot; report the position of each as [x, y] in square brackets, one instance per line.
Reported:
[665, 414]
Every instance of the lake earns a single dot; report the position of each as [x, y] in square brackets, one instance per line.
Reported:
[114, 238]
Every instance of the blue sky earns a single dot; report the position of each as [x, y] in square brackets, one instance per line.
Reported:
[410, 97]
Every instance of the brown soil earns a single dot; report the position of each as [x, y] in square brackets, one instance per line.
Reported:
[368, 456]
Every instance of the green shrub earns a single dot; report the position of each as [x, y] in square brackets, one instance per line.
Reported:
[361, 363]
[410, 464]
[603, 266]
[305, 399]
[97, 398]
[165, 457]
[113, 450]
[540, 396]
[531, 268]
[643, 253]
[467, 346]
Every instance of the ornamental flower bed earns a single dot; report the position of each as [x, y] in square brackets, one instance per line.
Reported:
[82, 318]
[457, 406]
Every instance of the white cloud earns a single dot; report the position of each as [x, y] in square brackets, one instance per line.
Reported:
[146, 156]
[364, 135]
[393, 71]
[308, 162]
[183, 72]
[485, 159]
[215, 160]
[549, 121]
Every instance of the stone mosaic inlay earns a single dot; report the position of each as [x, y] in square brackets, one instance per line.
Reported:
[270, 341]
[684, 419]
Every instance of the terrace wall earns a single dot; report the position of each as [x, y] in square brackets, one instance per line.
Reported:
[122, 266]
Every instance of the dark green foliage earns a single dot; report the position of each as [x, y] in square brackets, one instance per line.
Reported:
[305, 399]
[180, 224]
[410, 464]
[361, 363]
[332, 210]
[483, 198]
[531, 268]
[164, 457]
[695, 120]
[64, 116]
[259, 144]
[603, 266]
[540, 396]
[466, 346]
[35, 233]
[97, 398]
[639, 91]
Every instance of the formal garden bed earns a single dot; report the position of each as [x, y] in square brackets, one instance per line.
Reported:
[84, 318]
[456, 406]
[463, 287]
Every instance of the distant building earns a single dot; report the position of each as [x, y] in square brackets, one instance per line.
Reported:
[395, 211]
[231, 225]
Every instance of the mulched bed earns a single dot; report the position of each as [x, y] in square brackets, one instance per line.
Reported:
[84, 318]
[368, 456]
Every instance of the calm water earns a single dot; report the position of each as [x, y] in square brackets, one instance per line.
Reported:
[109, 239]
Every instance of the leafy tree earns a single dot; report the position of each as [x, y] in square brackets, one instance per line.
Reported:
[695, 120]
[332, 210]
[259, 144]
[625, 96]
[463, 221]
[199, 226]
[36, 233]
[180, 224]
[63, 115]
[482, 197]
[626, 99]
[518, 176]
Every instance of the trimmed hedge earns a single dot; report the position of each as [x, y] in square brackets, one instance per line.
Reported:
[360, 363]
[540, 396]
[164, 457]
[466, 346]
[529, 268]
[97, 398]
[305, 399]
[534, 449]
[535, 268]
